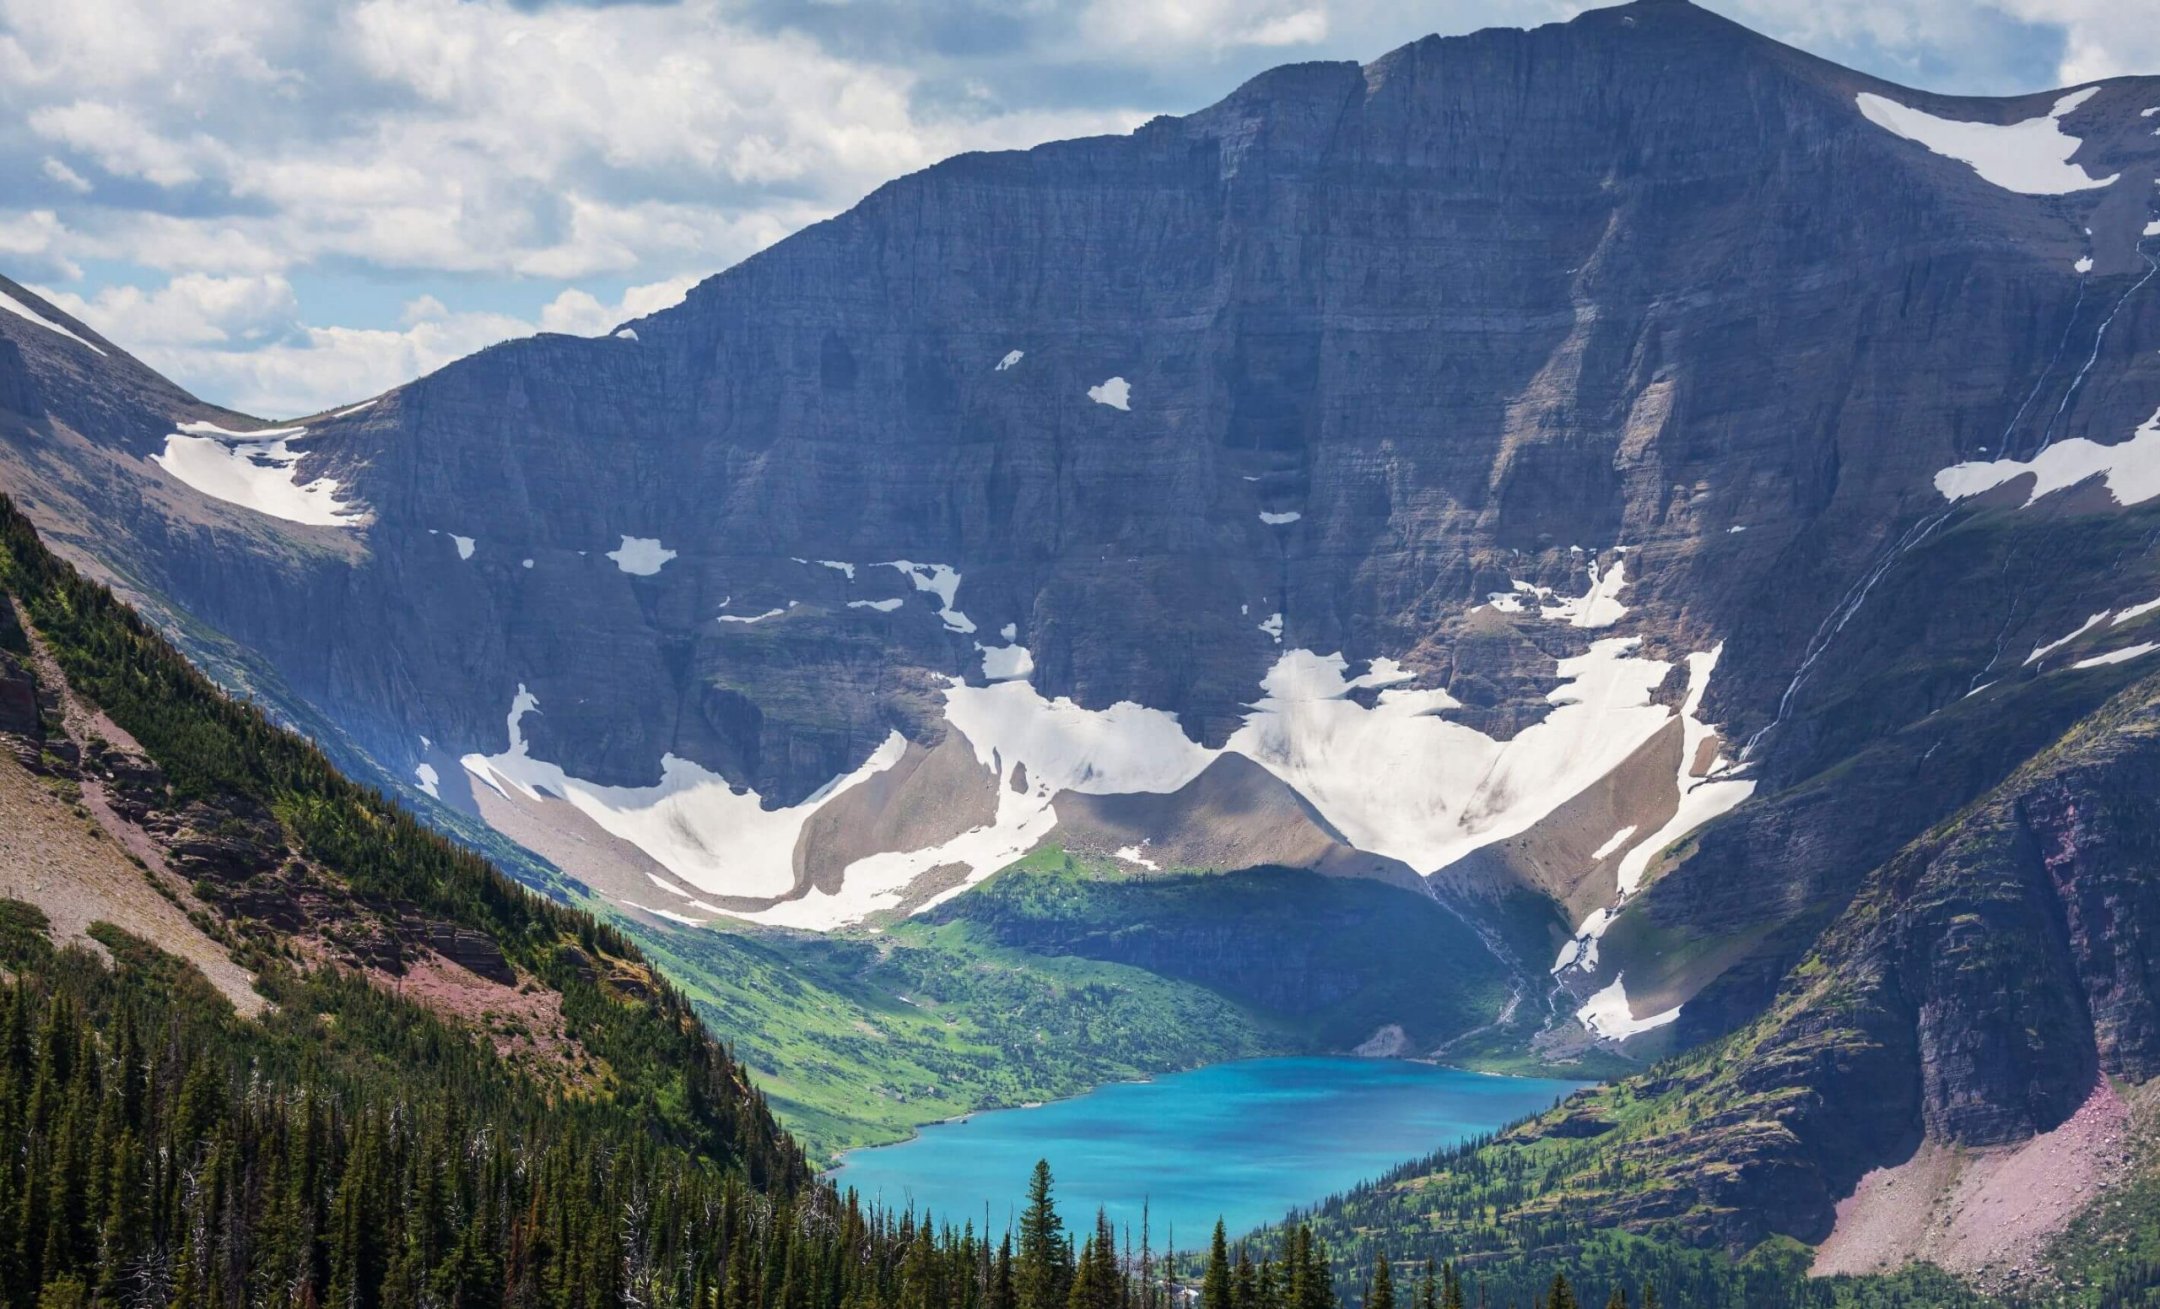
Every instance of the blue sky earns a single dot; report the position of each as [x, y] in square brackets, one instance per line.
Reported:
[293, 205]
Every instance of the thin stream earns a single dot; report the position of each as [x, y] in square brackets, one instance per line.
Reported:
[1857, 596]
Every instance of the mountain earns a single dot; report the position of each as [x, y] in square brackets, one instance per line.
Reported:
[1637, 486]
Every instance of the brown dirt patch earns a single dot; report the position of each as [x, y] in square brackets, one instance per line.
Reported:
[68, 864]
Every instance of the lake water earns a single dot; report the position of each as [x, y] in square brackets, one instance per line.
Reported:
[1244, 1141]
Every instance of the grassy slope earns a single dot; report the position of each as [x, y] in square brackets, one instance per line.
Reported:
[1061, 974]
[848, 1061]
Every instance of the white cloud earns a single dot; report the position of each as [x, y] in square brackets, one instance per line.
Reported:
[580, 313]
[243, 338]
[66, 176]
[2103, 38]
[1170, 28]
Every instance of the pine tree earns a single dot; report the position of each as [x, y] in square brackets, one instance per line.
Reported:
[1244, 1281]
[1215, 1286]
[1002, 1295]
[1045, 1259]
[1383, 1285]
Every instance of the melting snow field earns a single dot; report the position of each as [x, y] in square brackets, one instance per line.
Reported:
[1401, 781]
[1375, 756]
[940, 580]
[1395, 778]
[255, 470]
[1607, 1014]
[1598, 607]
[2132, 469]
[2043, 651]
[1699, 801]
[2122, 656]
[20, 310]
[694, 824]
[2032, 157]
[640, 556]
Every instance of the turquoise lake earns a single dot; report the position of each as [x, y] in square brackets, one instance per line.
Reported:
[1244, 1141]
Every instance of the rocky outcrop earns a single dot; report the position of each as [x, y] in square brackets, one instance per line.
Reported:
[476, 952]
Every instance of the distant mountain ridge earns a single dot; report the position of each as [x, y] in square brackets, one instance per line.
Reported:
[1628, 467]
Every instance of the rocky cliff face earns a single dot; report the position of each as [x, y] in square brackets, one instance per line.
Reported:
[1628, 462]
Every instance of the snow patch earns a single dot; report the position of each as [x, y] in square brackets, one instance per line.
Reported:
[464, 545]
[1597, 607]
[1273, 627]
[756, 618]
[940, 580]
[25, 312]
[2132, 469]
[255, 470]
[882, 606]
[705, 832]
[640, 556]
[838, 567]
[430, 780]
[627, 334]
[1137, 854]
[1614, 843]
[1607, 1015]
[2043, 651]
[1116, 393]
[1700, 800]
[2031, 158]
[669, 914]
[2122, 656]
[1011, 357]
[2084, 265]
[1401, 781]
[1002, 663]
[2135, 611]
[1582, 951]
[1278, 520]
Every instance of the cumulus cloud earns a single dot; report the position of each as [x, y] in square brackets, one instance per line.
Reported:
[245, 339]
[201, 157]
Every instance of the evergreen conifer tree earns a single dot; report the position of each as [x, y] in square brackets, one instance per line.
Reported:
[1215, 1290]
